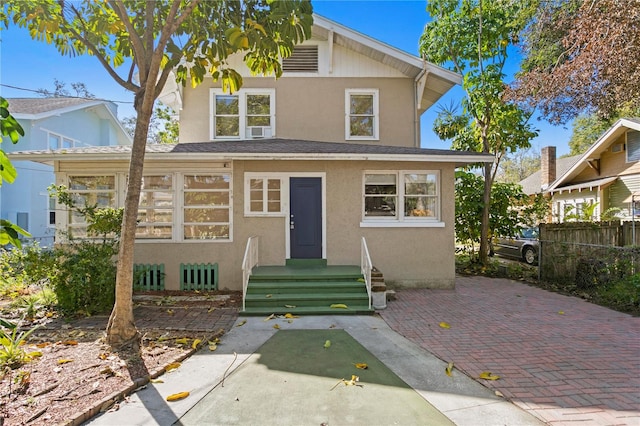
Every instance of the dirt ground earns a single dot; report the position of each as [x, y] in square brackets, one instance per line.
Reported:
[74, 375]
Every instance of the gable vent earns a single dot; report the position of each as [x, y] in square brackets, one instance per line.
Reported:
[303, 59]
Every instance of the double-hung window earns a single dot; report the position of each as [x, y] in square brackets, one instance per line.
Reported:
[57, 141]
[361, 114]
[246, 114]
[401, 197]
[263, 194]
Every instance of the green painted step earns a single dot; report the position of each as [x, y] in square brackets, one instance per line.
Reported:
[320, 286]
[316, 299]
[306, 310]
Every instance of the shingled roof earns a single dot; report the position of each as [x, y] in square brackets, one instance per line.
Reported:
[261, 149]
[36, 106]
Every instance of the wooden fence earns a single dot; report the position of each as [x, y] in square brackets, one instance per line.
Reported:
[587, 253]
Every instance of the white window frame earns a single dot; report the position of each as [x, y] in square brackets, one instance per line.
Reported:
[347, 114]
[68, 226]
[61, 140]
[171, 224]
[181, 207]
[265, 191]
[242, 110]
[400, 220]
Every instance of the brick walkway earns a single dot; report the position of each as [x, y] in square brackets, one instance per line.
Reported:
[564, 360]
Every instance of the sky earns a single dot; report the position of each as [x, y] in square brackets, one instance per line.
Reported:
[32, 65]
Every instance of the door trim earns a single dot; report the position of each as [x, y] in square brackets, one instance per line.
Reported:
[323, 186]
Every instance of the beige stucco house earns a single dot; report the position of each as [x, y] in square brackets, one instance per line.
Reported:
[310, 164]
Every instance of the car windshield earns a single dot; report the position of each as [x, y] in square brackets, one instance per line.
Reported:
[529, 233]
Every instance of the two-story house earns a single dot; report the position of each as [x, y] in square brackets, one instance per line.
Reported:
[314, 166]
[52, 124]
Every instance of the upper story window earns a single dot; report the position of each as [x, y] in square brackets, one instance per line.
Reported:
[401, 197]
[246, 114]
[633, 146]
[361, 114]
[57, 141]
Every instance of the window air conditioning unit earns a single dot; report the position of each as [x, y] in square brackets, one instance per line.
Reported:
[256, 132]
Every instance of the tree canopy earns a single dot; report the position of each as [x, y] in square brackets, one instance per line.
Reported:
[472, 38]
[581, 57]
[140, 44]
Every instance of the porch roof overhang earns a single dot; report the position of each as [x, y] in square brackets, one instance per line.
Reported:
[258, 149]
[598, 183]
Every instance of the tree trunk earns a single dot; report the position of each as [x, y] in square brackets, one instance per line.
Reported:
[121, 329]
[484, 223]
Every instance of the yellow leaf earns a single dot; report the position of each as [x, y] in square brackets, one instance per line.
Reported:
[177, 396]
[449, 369]
[361, 280]
[290, 306]
[170, 311]
[34, 354]
[211, 309]
[276, 326]
[43, 345]
[64, 361]
[156, 381]
[339, 306]
[212, 346]
[444, 325]
[214, 341]
[243, 322]
[182, 341]
[172, 366]
[270, 317]
[327, 344]
[195, 343]
[561, 312]
[353, 381]
[70, 342]
[361, 365]
[487, 375]
[289, 316]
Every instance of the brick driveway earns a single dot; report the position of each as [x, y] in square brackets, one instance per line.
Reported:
[562, 359]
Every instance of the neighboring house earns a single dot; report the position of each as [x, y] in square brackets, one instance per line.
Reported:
[607, 175]
[310, 164]
[52, 124]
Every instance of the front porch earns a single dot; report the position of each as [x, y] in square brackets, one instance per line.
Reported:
[306, 287]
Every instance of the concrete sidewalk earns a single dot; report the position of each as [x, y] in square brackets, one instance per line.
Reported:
[459, 398]
[562, 359]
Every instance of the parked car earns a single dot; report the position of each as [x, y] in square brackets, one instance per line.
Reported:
[524, 246]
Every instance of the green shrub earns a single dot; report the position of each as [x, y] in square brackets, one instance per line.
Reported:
[25, 267]
[12, 340]
[622, 295]
[86, 282]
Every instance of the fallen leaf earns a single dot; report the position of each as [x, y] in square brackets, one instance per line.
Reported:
[353, 381]
[339, 306]
[170, 311]
[43, 345]
[195, 343]
[449, 369]
[332, 326]
[444, 325]
[561, 312]
[500, 394]
[64, 361]
[70, 343]
[270, 317]
[327, 344]
[276, 326]
[243, 322]
[177, 396]
[172, 366]
[289, 316]
[182, 341]
[361, 365]
[212, 346]
[214, 341]
[211, 309]
[268, 296]
[290, 306]
[35, 354]
[156, 381]
[487, 375]
[361, 280]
